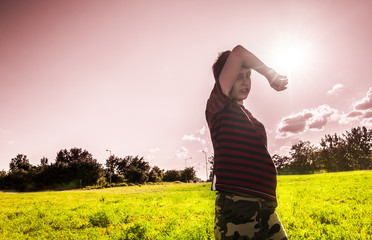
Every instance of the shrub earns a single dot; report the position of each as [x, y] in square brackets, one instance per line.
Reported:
[100, 219]
[136, 231]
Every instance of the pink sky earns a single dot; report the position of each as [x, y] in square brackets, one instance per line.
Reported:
[134, 77]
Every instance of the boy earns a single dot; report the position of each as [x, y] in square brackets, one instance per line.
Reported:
[244, 173]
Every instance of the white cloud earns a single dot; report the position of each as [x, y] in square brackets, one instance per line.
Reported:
[364, 118]
[354, 114]
[187, 137]
[199, 141]
[309, 119]
[367, 122]
[322, 115]
[203, 130]
[182, 152]
[285, 148]
[295, 123]
[362, 111]
[366, 103]
[151, 155]
[367, 114]
[317, 118]
[191, 137]
[152, 150]
[336, 89]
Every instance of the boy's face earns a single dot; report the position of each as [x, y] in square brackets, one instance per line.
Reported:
[242, 86]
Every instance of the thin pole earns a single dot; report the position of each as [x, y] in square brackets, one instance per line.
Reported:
[206, 165]
[110, 165]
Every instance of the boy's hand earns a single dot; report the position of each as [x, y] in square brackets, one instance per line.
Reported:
[277, 81]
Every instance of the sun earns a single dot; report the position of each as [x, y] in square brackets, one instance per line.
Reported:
[292, 56]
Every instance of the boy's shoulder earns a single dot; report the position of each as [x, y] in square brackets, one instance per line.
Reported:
[217, 101]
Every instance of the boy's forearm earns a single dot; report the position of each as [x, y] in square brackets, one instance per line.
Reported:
[249, 60]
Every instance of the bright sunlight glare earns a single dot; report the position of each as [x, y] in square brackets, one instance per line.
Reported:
[292, 57]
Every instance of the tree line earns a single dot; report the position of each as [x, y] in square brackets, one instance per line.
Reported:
[349, 151]
[76, 168]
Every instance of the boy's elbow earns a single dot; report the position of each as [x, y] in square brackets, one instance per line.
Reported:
[239, 50]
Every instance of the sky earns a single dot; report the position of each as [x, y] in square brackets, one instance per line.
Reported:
[133, 77]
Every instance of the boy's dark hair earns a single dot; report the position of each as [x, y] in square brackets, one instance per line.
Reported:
[220, 62]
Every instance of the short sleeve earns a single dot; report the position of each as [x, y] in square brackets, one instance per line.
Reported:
[216, 102]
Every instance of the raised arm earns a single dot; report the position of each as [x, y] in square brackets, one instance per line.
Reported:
[241, 57]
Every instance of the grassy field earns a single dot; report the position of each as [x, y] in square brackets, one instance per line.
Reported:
[320, 206]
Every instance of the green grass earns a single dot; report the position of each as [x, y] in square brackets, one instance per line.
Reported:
[320, 206]
[327, 206]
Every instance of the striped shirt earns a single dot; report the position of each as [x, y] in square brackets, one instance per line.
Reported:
[242, 163]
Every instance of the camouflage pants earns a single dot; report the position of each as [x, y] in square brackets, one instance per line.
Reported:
[244, 218]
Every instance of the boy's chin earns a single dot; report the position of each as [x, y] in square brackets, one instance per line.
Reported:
[242, 98]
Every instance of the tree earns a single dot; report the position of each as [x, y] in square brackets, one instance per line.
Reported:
[73, 168]
[122, 165]
[111, 165]
[63, 157]
[332, 155]
[84, 167]
[77, 166]
[172, 176]
[44, 161]
[156, 174]
[20, 180]
[188, 174]
[2, 174]
[19, 162]
[302, 154]
[281, 162]
[21, 174]
[359, 147]
[134, 169]
[211, 168]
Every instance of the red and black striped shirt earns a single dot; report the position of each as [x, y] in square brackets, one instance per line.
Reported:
[242, 163]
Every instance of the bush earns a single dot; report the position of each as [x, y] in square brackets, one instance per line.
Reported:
[136, 231]
[100, 219]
